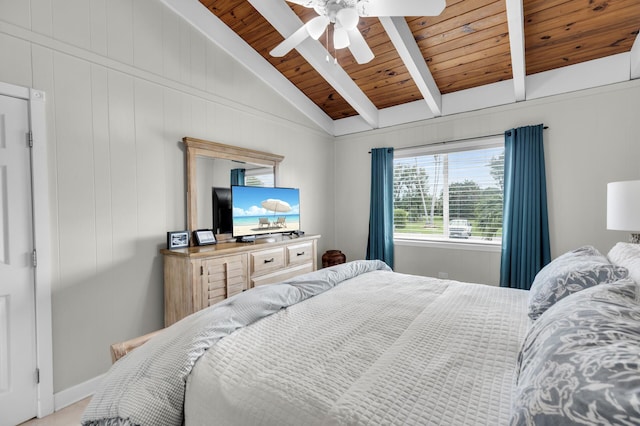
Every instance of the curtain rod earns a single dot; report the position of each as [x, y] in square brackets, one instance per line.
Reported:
[456, 140]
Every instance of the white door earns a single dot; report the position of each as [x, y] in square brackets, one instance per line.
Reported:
[18, 381]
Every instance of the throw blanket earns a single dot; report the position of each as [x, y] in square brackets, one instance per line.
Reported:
[147, 386]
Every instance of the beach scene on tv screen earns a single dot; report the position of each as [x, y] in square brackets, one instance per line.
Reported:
[260, 210]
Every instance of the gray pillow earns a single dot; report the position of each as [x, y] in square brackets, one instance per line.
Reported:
[568, 274]
[580, 361]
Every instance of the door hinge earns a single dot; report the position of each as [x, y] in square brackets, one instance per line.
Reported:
[201, 270]
[30, 139]
[37, 376]
[34, 258]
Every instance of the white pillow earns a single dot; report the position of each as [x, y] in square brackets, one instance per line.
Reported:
[627, 255]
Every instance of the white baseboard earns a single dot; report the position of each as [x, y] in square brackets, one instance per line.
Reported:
[76, 393]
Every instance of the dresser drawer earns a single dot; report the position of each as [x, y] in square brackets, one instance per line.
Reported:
[276, 277]
[265, 261]
[299, 254]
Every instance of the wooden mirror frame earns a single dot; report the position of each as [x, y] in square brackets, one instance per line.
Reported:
[202, 148]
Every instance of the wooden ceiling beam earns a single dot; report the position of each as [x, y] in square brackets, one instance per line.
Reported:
[285, 21]
[515, 22]
[402, 38]
[217, 32]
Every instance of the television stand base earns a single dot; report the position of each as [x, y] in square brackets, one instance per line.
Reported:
[246, 239]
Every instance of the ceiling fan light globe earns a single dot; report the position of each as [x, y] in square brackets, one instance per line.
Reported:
[340, 38]
[316, 26]
[348, 18]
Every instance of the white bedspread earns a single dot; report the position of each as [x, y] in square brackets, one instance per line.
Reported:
[381, 348]
[147, 386]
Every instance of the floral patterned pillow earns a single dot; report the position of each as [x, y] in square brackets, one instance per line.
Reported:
[627, 255]
[567, 274]
[580, 361]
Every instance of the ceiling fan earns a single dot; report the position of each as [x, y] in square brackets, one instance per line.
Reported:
[345, 14]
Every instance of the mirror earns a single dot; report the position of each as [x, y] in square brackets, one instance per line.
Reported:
[209, 165]
[216, 172]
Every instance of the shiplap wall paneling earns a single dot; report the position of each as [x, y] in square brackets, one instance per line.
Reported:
[123, 164]
[102, 167]
[124, 81]
[15, 12]
[72, 23]
[76, 206]
[171, 39]
[150, 164]
[174, 174]
[147, 35]
[16, 62]
[120, 27]
[98, 26]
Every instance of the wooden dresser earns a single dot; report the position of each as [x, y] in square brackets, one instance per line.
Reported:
[197, 277]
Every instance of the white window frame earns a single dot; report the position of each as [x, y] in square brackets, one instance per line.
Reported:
[493, 141]
[262, 171]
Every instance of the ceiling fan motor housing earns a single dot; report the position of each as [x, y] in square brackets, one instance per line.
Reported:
[330, 8]
[345, 15]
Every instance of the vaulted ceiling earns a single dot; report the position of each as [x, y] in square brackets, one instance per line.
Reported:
[475, 54]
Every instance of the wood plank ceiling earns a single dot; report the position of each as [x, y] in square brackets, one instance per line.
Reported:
[466, 46]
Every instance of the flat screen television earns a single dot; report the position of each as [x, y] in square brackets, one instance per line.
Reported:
[221, 206]
[263, 210]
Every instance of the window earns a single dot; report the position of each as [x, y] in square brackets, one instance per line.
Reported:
[259, 177]
[450, 192]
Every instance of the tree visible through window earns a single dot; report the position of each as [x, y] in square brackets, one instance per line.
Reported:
[450, 194]
[259, 177]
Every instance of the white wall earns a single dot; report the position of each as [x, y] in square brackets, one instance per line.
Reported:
[592, 140]
[125, 80]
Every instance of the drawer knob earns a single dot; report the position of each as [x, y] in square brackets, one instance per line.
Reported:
[300, 254]
[268, 260]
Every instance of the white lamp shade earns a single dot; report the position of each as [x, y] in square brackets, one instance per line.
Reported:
[348, 18]
[340, 37]
[623, 206]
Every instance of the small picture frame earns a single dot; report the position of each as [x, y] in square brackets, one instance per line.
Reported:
[177, 239]
[204, 237]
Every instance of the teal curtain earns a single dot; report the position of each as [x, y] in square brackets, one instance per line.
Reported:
[237, 177]
[380, 244]
[525, 226]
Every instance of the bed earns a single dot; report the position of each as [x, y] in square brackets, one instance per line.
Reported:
[359, 344]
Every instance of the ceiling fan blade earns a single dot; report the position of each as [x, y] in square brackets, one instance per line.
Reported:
[305, 3]
[359, 47]
[290, 42]
[317, 26]
[400, 7]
